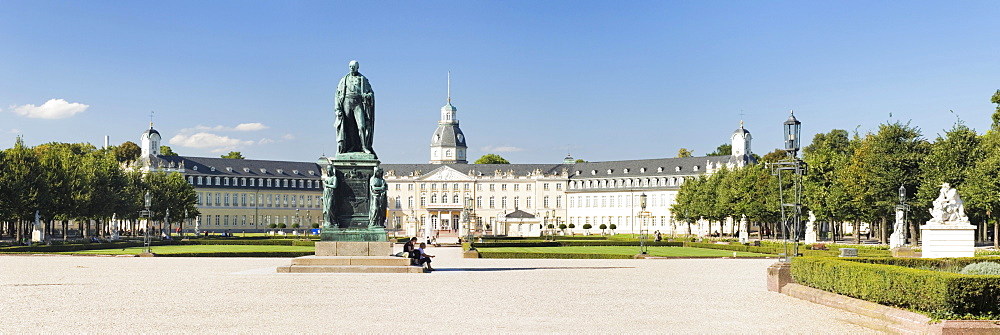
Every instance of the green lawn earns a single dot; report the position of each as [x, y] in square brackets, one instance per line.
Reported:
[177, 249]
[653, 251]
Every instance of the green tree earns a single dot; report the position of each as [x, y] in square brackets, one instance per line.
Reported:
[613, 227]
[879, 165]
[491, 159]
[774, 156]
[586, 228]
[825, 193]
[725, 149]
[603, 227]
[234, 155]
[562, 227]
[684, 152]
[166, 151]
[983, 195]
[578, 160]
[127, 152]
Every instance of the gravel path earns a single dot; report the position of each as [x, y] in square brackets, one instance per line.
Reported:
[77, 294]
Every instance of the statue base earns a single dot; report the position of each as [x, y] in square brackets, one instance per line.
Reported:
[947, 240]
[352, 198]
[354, 234]
[37, 236]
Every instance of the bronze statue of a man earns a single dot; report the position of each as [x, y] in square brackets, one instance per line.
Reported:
[355, 113]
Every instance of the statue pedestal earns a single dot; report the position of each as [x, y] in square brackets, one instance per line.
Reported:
[37, 236]
[947, 240]
[352, 200]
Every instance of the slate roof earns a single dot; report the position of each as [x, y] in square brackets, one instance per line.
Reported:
[478, 169]
[653, 167]
[519, 214]
[245, 167]
[447, 135]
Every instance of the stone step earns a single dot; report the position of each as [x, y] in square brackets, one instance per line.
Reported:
[350, 260]
[350, 269]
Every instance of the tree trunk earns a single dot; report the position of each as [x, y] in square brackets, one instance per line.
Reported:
[914, 238]
[996, 234]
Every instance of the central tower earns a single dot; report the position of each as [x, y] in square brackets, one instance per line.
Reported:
[448, 143]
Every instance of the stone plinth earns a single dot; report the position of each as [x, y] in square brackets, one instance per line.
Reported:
[360, 234]
[351, 257]
[350, 264]
[947, 240]
[353, 248]
[778, 275]
[352, 196]
[37, 236]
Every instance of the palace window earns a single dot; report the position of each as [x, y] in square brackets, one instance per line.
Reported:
[479, 202]
[527, 187]
[516, 186]
[398, 204]
[409, 202]
[527, 202]
[492, 202]
[455, 199]
[491, 187]
[558, 201]
[558, 186]
[503, 202]
[545, 202]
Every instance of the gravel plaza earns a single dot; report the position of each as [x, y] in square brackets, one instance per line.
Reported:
[80, 294]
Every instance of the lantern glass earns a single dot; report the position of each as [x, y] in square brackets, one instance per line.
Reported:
[148, 199]
[793, 129]
[902, 194]
[642, 201]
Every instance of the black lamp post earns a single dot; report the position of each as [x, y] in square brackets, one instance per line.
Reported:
[903, 207]
[643, 248]
[791, 222]
[148, 202]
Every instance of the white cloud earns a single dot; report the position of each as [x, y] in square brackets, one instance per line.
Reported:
[52, 109]
[250, 126]
[501, 149]
[203, 140]
[288, 137]
[15, 131]
[265, 141]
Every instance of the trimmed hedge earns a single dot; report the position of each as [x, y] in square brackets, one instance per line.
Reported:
[269, 254]
[239, 242]
[941, 294]
[526, 244]
[601, 243]
[497, 254]
[78, 247]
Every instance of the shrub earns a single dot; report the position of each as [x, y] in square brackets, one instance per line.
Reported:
[295, 226]
[587, 226]
[272, 226]
[562, 226]
[315, 225]
[571, 226]
[613, 226]
[603, 226]
[941, 294]
[982, 268]
[551, 226]
[491, 254]
[281, 225]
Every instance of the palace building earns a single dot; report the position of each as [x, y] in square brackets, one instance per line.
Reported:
[429, 199]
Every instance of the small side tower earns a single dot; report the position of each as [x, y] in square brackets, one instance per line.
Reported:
[448, 143]
[741, 147]
[150, 140]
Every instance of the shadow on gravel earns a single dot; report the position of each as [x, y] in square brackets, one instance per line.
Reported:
[538, 268]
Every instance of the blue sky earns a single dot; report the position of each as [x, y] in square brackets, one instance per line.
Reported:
[532, 80]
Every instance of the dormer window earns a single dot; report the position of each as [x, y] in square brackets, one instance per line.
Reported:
[659, 169]
[642, 170]
[280, 171]
[263, 170]
[312, 173]
[229, 169]
[246, 169]
[194, 168]
[610, 171]
[593, 172]
[295, 171]
[696, 168]
[677, 168]
[624, 170]
[213, 169]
